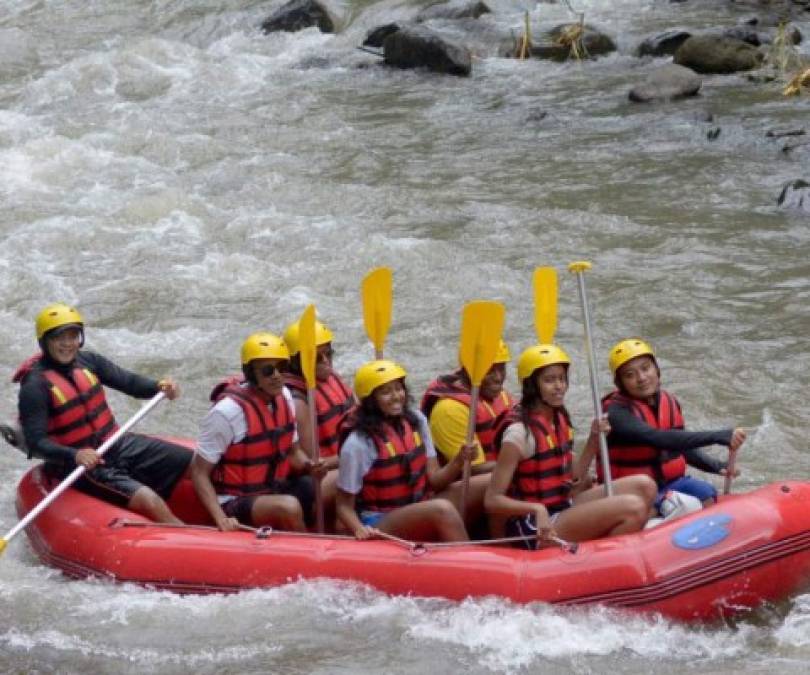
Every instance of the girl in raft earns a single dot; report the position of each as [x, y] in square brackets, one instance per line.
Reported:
[535, 482]
[388, 467]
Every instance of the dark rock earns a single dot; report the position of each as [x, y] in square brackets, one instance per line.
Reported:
[454, 9]
[791, 147]
[795, 196]
[420, 47]
[713, 133]
[664, 44]
[744, 34]
[297, 15]
[376, 36]
[667, 83]
[777, 133]
[594, 42]
[716, 54]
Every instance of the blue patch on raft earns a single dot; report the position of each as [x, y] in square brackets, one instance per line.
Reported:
[702, 533]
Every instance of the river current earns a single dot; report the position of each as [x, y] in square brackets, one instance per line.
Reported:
[186, 180]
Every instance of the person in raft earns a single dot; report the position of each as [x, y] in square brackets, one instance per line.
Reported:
[333, 401]
[647, 428]
[388, 467]
[248, 466]
[446, 404]
[535, 481]
[65, 418]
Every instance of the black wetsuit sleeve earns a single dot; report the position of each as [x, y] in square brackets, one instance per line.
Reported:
[34, 401]
[628, 429]
[703, 461]
[120, 379]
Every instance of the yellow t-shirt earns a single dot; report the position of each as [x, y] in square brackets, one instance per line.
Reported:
[448, 428]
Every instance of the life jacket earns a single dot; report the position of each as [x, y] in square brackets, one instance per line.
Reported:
[79, 416]
[333, 400]
[398, 476]
[488, 414]
[630, 460]
[253, 465]
[545, 477]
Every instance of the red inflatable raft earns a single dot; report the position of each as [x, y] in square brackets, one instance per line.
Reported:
[745, 551]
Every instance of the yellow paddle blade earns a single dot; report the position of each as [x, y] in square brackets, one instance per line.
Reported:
[481, 327]
[306, 337]
[2, 545]
[376, 292]
[545, 304]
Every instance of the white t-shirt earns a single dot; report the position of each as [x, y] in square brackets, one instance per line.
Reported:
[519, 435]
[358, 453]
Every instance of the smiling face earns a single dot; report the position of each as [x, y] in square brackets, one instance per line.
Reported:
[552, 384]
[63, 347]
[390, 398]
[639, 377]
[492, 384]
[269, 374]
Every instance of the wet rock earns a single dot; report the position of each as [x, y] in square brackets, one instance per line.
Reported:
[376, 36]
[664, 44]
[455, 9]
[420, 47]
[796, 147]
[551, 44]
[713, 54]
[713, 134]
[297, 15]
[782, 133]
[667, 83]
[743, 34]
[795, 196]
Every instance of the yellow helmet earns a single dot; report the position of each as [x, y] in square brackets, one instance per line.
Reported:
[263, 346]
[540, 356]
[626, 350]
[373, 374]
[56, 316]
[502, 355]
[322, 336]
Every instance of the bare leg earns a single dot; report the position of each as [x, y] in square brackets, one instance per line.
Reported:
[475, 496]
[620, 514]
[328, 495]
[282, 511]
[432, 520]
[149, 503]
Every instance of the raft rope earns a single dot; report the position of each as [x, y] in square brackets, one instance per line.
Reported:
[416, 547]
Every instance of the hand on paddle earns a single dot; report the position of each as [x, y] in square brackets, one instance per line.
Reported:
[316, 469]
[169, 387]
[738, 437]
[88, 458]
[467, 453]
[546, 536]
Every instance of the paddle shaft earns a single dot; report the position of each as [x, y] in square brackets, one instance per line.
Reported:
[597, 407]
[316, 456]
[74, 475]
[732, 460]
[465, 473]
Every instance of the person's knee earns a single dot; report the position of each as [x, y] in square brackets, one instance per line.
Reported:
[444, 511]
[647, 489]
[146, 500]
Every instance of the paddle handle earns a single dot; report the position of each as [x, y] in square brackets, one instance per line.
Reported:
[467, 470]
[316, 456]
[732, 460]
[74, 475]
[579, 268]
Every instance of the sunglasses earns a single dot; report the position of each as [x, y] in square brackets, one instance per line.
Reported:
[270, 370]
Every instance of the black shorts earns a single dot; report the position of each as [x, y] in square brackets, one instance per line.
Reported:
[299, 487]
[132, 463]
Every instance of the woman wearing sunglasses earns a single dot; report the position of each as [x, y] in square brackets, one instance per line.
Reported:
[248, 466]
[388, 467]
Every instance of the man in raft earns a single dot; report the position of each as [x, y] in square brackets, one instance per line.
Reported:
[333, 400]
[647, 428]
[248, 466]
[65, 418]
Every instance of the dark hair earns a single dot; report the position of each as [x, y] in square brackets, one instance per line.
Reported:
[295, 365]
[247, 371]
[369, 418]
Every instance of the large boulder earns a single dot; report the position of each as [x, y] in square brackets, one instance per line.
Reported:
[420, 47]
[297, 15]
[553, 45]
[667, 83]
[663, 44]
[454, 9]
[795, 196]
[715, 54]
[376, 36]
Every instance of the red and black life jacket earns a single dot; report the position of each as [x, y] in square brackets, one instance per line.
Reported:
[261, 458]
[545, 477]
[661, 465]
[333, 400]
[79, 416]
[488, 414]
[398, 476]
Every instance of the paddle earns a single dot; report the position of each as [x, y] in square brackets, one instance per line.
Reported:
[579, 268]
[309, 357]
[376, 293]
[545, 304]
[79, 470]
[481, 326]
